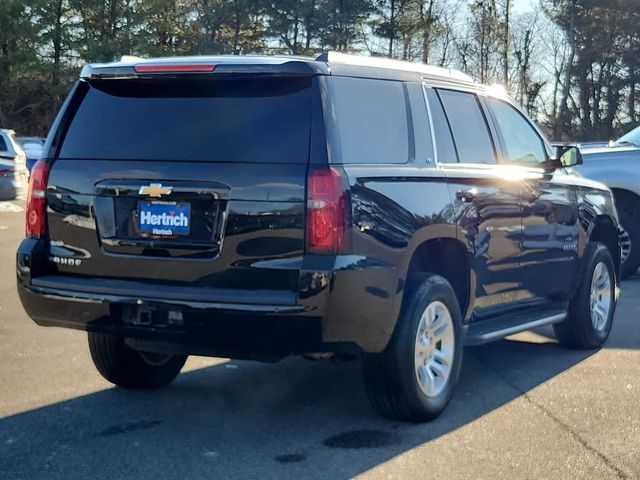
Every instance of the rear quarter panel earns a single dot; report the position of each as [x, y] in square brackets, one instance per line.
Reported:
[392, 213]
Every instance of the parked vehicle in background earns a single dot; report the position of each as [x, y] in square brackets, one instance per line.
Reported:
[14, 177]
[617, 165]
[258, 207]
[32, 147]
[28, 141]
[630, 138]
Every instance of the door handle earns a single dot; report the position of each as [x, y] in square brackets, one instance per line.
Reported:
[466, 196]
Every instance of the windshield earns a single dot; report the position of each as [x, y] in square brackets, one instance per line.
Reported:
[631, 138]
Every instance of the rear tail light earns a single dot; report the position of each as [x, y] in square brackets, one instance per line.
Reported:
[36, 226]
[328, 211]
[4, 173]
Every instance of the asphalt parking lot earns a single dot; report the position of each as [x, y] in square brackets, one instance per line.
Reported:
[524, 408]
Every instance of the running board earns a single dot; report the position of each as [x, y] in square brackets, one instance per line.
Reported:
[485, 331]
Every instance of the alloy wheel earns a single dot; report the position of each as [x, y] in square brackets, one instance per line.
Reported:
[434, 349]
[600, 298]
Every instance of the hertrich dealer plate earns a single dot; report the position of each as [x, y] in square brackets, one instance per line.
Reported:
[164, 218]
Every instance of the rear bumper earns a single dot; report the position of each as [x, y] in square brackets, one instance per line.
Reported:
[237, 330]
[344, 303]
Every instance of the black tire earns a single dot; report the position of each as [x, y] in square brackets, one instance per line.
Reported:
[128, 368]
[391, 376]
[632, 226]
[578, 329]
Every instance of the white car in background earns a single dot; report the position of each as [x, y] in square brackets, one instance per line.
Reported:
[617, 165]
[14, 176]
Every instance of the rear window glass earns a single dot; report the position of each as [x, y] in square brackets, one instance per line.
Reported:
[372, 120]
[3, 145]
[265, 120]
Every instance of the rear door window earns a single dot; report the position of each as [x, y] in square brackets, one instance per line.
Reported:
[468, 126]
[264, 120]
[372, 117]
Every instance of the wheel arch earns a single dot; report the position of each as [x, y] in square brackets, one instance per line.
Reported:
[626, 199]
[435, 255]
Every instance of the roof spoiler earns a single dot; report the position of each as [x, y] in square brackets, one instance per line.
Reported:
[135, 67]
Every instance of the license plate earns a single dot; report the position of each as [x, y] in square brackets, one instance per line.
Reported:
[164, 219]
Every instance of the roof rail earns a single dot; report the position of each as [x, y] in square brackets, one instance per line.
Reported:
[380, 62]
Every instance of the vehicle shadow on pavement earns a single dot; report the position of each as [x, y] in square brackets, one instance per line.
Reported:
[294, 419]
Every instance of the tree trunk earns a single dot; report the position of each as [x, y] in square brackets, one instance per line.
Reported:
[427, 23]
[236, 28]
[296, 27]
[632, 94]
[505, 44]
[392, 27]
[308, 19]
[563, 116]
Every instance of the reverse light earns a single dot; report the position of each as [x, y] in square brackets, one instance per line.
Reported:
[36, 222]
[174, 67]
[328, 211]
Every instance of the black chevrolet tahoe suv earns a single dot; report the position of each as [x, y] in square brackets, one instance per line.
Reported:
[258, 207]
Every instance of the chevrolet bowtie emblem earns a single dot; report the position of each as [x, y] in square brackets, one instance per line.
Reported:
[155, 190]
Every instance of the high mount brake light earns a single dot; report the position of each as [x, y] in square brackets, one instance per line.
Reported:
[174, 67]
[36, 222]
[328, 211]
